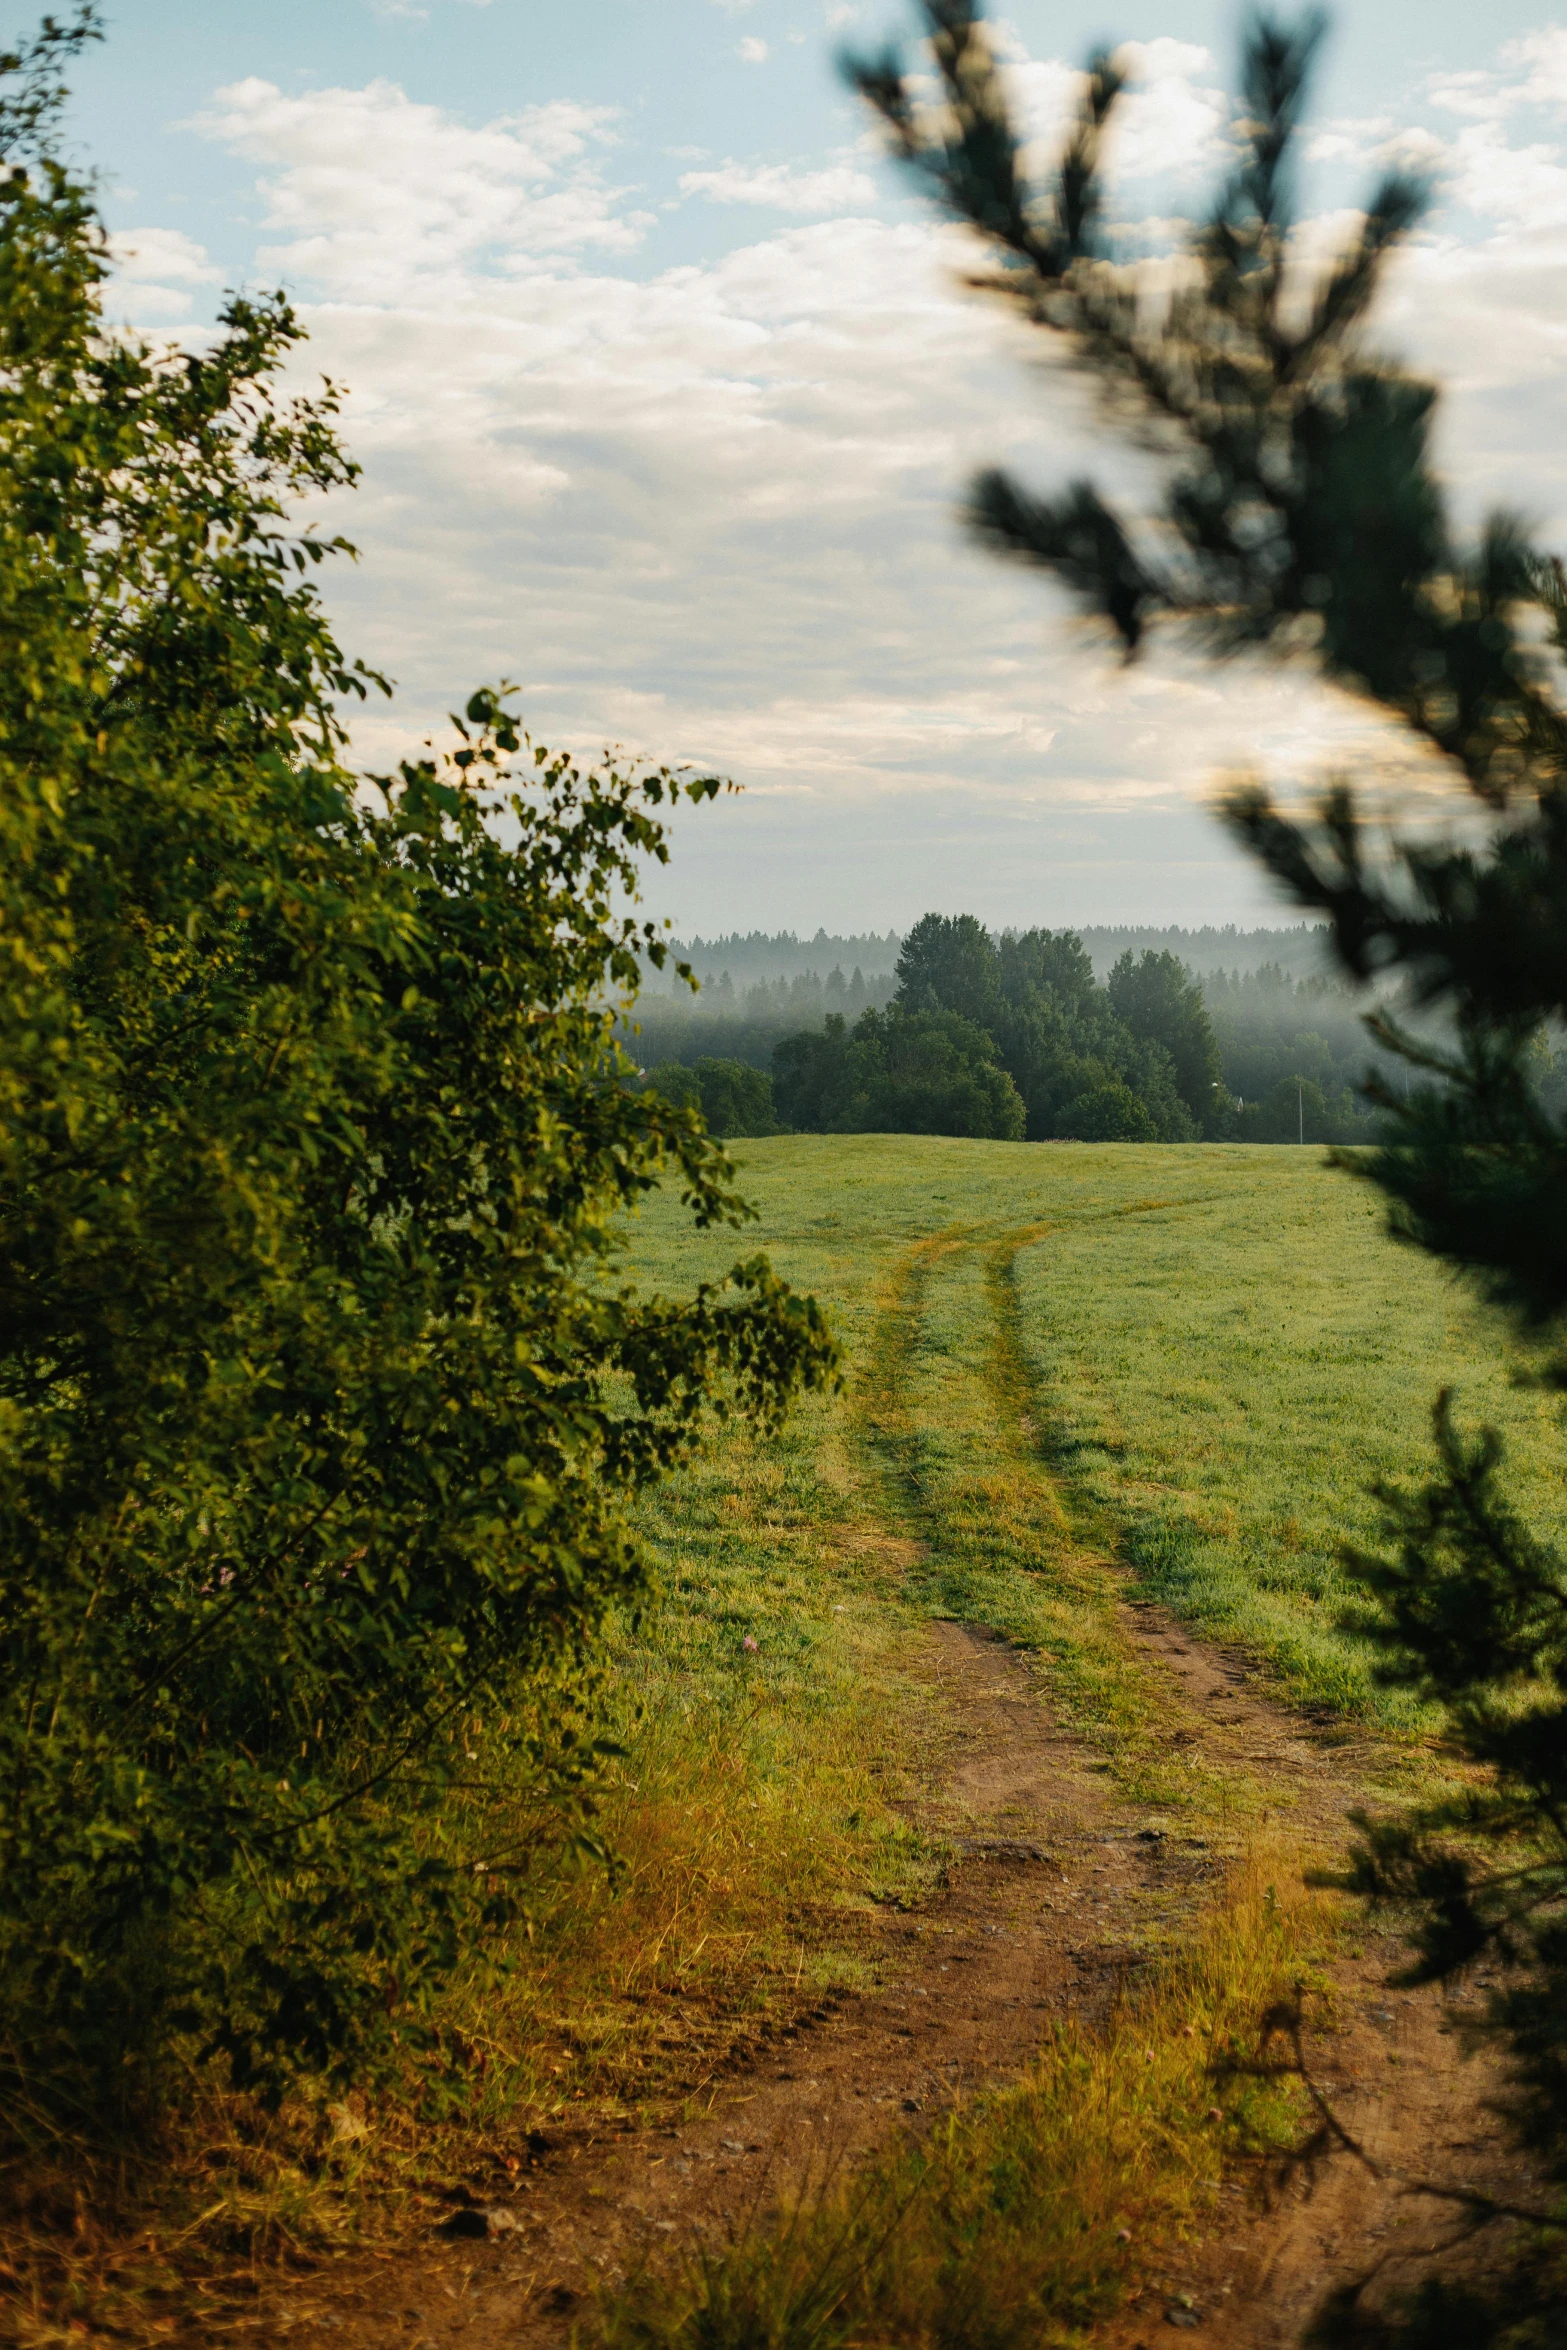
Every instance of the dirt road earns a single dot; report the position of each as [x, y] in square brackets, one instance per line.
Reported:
[1056, 1882]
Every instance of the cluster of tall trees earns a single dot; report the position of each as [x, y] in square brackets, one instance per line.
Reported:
[1013, 1037]
[1155, 1052]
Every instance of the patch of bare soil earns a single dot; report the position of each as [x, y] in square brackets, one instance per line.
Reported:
[1050, 1906]
[1399, 2071]
[1395, 2072]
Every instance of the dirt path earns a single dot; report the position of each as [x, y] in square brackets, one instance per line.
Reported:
[1058, 1887]
[1033, 1917]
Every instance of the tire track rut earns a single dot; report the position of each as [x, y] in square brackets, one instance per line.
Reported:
[1058, 1886]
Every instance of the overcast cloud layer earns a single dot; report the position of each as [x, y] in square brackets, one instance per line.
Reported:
[707, 510]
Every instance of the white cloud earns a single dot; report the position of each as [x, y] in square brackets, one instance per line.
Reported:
[834, 189]
[1472, 92]
[711, 514]
[1523, 189]
[372, 189]
[1167, 122]
[1348, 140]
[1545, 55]
[161, 253]
[1531, 71]
[752, 51]
[155, 270]
[1171, 117]
[709, 511]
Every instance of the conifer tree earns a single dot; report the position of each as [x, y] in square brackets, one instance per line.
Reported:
[1303, 518]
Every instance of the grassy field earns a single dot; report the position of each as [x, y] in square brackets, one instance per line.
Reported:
[1075, 1373]
[1215, 1350]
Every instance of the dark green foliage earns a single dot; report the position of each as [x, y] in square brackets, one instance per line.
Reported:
[897, 1072]
[948, 964]
[675, 1082]
[1472, 1612]
[1075, 1060]
[1106, 1112]
[733, 1098]
[318, 1419]
[1302, 515]
[1297, 1109]
[1162, 1004]
[1268, 1027]
[736, 1100]
[1031, 999]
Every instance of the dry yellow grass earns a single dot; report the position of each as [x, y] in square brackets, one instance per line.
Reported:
[1029, 2212]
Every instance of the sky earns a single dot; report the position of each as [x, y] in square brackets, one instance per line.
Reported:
[666, 392]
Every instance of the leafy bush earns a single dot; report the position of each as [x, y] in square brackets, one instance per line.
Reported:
[675, 1082]
[1472, 1613]
[318, 1419]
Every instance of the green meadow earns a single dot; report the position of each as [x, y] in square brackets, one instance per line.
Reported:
[1195, 1361]
[1075, 1373]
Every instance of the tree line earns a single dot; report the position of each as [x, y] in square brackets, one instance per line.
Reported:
[1010, 1036]
[752, 956]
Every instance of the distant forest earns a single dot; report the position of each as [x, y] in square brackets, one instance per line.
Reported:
[758, 957]
[1279, 1043]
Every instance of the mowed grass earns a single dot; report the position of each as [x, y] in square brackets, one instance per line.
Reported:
[1214, 1351]
[1230, 1376]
